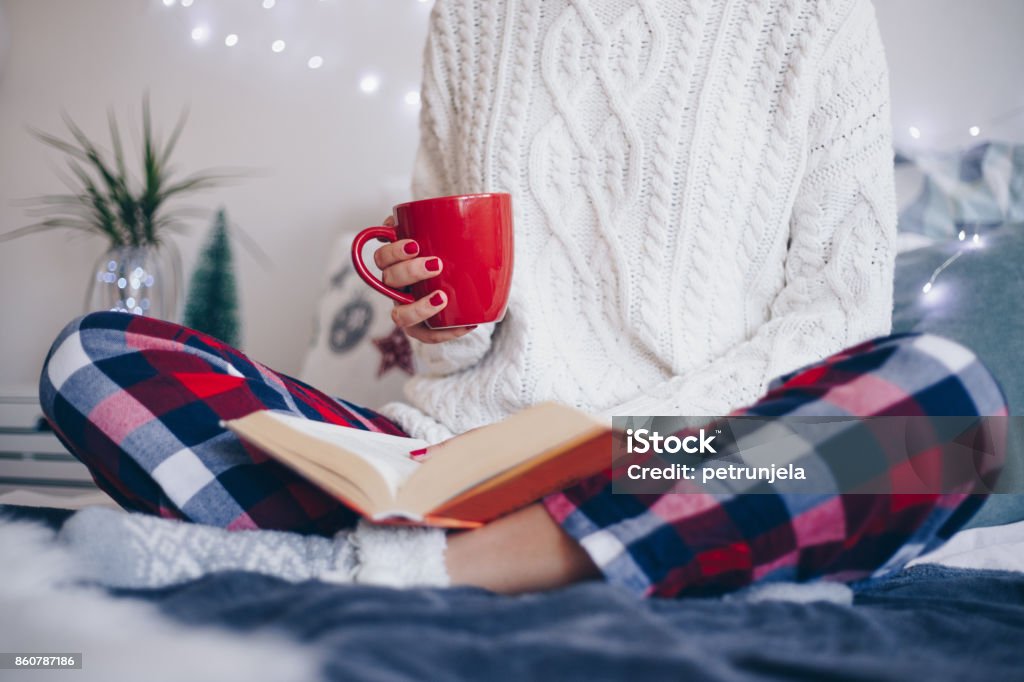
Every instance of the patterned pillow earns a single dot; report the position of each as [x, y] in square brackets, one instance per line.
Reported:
[356, 352]
[974, 190]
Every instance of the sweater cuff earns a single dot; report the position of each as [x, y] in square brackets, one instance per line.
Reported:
[442, 359]
[415, 423]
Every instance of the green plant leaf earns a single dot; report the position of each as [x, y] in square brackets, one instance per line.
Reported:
[116, 186]
[172, 141]
[51, 224]
[196, 182]
[115, 141]
[106, 199]
[59, 144]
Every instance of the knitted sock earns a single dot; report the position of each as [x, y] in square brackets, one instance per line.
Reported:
[138, 550]
[142, 551]
[400, 556]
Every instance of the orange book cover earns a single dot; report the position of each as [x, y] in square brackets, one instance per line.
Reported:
[469, 480]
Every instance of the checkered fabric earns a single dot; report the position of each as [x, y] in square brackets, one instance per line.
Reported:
[139, 401]
[703, 543]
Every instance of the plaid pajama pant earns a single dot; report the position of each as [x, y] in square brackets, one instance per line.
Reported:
[139, 401]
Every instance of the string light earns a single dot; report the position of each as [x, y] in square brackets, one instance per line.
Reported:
[973, 131]
[930, 284]
[961, 236]
[412, 98]
[369, 84]
[956, 133]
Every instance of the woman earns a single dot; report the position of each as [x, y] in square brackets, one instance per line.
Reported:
[704, 200]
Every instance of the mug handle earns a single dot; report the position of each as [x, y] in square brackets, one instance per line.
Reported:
[382, 233]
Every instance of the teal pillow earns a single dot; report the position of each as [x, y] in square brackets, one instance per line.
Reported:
[982, 185]
[978, 301]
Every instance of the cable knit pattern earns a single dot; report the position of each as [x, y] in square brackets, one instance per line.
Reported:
[703, 191]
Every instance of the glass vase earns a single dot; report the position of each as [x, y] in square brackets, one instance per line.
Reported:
[143, 280]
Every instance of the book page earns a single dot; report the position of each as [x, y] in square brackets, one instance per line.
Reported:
[471, 479]
[387, 454]
[518, 443]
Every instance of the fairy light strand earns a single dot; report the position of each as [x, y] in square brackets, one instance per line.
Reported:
[961, 236]
[368, 83]
[917, 133]
[938, 271]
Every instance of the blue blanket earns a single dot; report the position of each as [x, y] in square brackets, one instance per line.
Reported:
[925, 623]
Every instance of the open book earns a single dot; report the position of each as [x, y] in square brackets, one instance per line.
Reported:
[468, 480]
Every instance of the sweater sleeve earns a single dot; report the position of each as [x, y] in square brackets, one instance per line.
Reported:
[840, 259]
[433, 176]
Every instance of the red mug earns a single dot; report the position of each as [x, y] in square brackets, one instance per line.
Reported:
[472, 235]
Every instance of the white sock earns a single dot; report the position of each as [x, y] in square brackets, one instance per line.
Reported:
[399, 556]
[119, 549]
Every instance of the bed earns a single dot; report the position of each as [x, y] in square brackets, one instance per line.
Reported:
[928, 622]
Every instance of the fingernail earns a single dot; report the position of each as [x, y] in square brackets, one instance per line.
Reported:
[437, 299]
[434, 264]
[415, 454]
[411, 248]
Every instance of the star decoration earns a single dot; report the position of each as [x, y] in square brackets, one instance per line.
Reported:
[395, 351]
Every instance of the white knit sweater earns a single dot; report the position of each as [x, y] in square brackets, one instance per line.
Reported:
[703, 192]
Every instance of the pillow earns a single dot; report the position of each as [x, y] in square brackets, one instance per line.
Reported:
[909, 181]
[356, 352]
[972, 189]
[977, 302]
[909, 184]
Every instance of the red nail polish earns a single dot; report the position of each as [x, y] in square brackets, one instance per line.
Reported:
[411, 248]
[436, 299]
[417, 453]
[434, 264]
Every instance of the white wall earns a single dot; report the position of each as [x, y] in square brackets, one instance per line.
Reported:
[954, 64]
[336, 158]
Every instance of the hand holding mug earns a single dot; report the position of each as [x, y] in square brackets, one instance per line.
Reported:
[401, 266]
[448, 265]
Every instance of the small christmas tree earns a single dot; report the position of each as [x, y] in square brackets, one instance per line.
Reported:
[212, 303]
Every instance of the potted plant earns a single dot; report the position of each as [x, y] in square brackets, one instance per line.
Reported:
[140, 272]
